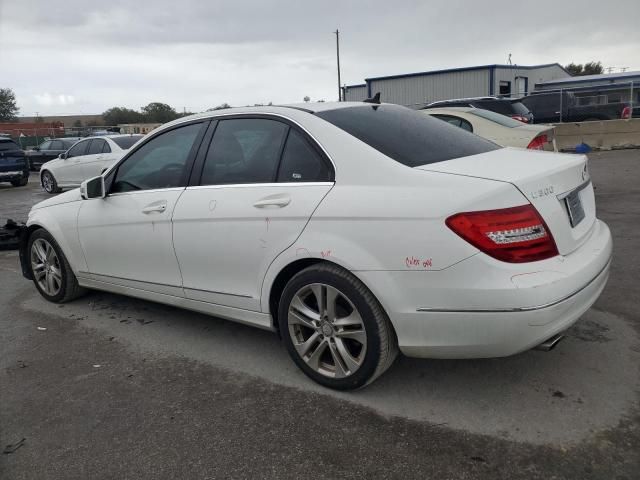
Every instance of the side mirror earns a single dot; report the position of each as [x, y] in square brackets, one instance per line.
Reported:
[35, 149]
[92, 188]
[63, 156]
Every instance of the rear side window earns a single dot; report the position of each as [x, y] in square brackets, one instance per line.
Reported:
[96, 147]
[106, 148]
[520, 108]
[301, 163]
[6, 145]
[407, 136]
[244, 151]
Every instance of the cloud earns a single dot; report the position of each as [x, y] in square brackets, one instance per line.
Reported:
[48, 100]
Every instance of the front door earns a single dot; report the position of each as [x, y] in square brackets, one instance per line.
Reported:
[126, 237]
[70, 171]
[260, 183]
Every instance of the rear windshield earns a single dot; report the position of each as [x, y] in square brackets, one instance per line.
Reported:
[6, 145]
[520, 108]
[496, 117]
[407, 136]
[125, 143]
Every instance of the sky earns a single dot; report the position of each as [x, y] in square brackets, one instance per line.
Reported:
[72, 56]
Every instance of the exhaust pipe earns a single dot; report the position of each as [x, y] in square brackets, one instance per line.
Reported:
[550, 343]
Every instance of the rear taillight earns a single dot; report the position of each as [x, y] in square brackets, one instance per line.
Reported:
[626, 113]
[514, 235]
[538, 143]
[520, 118]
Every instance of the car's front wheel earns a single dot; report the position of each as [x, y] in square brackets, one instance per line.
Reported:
[49, 182]
[50, 269]
[20, 183]
[334, 328]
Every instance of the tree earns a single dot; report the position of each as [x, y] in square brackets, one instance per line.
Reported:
[157, 112]
[118, 115]
[222, 106]
[8, 108]
[591, 68]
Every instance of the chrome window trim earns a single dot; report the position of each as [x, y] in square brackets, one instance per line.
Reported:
[516, 309]
[267, 184]
[154, 190]
[582, 186]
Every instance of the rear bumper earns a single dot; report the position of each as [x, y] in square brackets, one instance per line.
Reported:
[13, 174]
[484, 308]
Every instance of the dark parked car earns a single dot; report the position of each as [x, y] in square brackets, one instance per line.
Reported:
[546, 108]
[14, 167]
[506, 106]
[49, 150]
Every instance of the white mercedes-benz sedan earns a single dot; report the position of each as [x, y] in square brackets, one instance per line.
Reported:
[85, 159]
[351, 229]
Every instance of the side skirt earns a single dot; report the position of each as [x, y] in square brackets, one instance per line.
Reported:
[247, 317]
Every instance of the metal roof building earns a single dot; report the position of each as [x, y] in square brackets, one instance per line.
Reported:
[417, 89]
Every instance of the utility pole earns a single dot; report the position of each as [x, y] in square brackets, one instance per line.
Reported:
[337, 32]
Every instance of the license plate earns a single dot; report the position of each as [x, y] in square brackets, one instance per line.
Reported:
[574, 207]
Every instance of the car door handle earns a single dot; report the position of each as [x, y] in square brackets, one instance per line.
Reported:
[273, 201]
[155, 208]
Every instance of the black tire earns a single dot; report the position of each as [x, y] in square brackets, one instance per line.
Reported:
[50, 186]
[381, 342]
[69, 288]
[20, 183]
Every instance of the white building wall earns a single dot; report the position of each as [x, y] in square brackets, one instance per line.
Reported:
[355, 94]
[534, 75]
[416, 91]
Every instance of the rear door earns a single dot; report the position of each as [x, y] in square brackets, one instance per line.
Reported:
[256, 185]
[93, 161]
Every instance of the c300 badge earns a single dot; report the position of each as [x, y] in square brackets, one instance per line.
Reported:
[543, 192]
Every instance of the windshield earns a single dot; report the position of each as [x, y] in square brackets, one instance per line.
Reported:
[125, 143]
[496, 117]
[405, 135]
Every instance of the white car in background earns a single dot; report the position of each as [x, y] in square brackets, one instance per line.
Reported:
[353, 229]
[85, 159]
[498, 128]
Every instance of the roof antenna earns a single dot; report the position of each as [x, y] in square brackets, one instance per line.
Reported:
[374, 99]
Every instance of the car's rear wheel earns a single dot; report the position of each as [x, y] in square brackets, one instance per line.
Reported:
[334, 328]
[20, 183]
[49, 182]
[50, 269]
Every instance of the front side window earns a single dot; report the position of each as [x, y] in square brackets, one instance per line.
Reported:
[244, 151]
[301, 163]
[56, 145]
[406, 136]
[159, 163]
[78, 149]
[106, 148]
[45, 145]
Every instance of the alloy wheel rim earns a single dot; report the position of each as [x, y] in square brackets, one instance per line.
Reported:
[46, 182]
[45, 265]
[327, 330]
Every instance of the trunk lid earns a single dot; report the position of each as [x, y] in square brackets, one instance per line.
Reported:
[557, 185]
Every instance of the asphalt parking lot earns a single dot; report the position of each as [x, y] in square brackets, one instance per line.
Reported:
[112, 387]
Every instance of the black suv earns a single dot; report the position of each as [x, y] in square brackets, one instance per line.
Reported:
[546, 108]
[14, 167]
[505, 106]
[48, 150]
